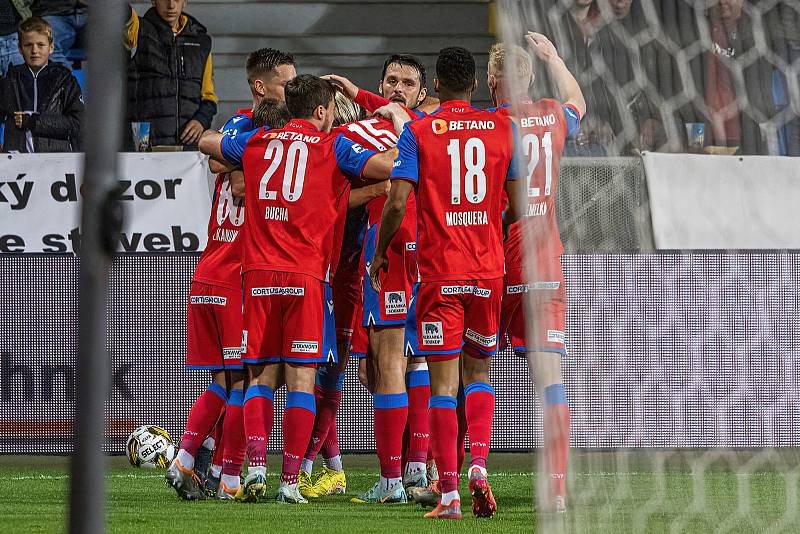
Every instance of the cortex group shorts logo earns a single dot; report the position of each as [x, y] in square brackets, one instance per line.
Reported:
[439, 126]
[432, 333]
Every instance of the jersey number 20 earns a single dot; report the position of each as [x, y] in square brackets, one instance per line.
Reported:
[294, 172]
[474, 178]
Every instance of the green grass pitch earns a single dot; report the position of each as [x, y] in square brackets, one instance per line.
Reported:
[659, 491]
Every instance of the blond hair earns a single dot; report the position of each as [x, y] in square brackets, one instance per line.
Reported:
[38, 25]
[516, 57]
[345, 110]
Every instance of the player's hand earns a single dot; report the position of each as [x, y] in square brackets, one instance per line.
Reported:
[349, 89]
[192, 132]
[541, 45]
[379, 263]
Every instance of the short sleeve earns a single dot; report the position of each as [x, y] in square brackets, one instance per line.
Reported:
[573, 117]
[406, 165]
[513, 168]
[236, 124]
[351, 157]
[232, 146]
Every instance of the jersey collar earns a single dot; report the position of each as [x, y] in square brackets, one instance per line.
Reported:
[301, 124]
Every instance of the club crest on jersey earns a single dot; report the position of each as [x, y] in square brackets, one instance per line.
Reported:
[439, 126]
[432, 333]
[395, 302]
[306, 347]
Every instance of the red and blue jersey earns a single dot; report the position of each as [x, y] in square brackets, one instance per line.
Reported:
[221, 261]
[458, 158]
[296, 185]
[544, 128]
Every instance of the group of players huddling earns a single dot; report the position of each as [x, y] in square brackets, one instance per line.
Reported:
[399, 215]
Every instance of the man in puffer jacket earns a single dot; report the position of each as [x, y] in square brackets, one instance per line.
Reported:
[170, 79]
[40, 102]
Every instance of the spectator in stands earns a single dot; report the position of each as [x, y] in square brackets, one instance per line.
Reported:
[11, 13]
[68, 19]
[40, 102]
[732, 37]
[170, 79]
[577, 38]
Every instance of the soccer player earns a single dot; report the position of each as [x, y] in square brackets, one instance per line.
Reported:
[296, 182]
[545, 125]
[402, 82]
[400, 391]
[458, 160]
[214, 317]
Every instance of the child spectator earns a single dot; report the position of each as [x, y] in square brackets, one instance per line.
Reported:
[40, 102]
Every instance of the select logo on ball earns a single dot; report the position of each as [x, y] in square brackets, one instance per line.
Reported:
[439, 126]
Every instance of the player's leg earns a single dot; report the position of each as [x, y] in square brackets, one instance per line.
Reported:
[211, 452]
[203, 351]
[262, 344]
[390, 403]
[259, 417]
[480, 343]
[419, 394]
[547, 323]
[234, 443]
[308, 340]
[440, 327]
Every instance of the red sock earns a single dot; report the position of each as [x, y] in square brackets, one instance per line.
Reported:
[298, 421]
[218, 433]
[233, 443]
[419, 395]
[327, 402]
[556, 437]
[202, 417]
[330, 449]
[444, 429]
[461, 415]
[479, 411]
[259, 415]
[391, 413]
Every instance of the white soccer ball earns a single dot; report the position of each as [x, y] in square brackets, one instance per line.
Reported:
[150, 446]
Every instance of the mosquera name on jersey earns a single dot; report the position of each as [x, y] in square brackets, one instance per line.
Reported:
[221, 261]
[458, 157]
[293, 209]
[544, 127]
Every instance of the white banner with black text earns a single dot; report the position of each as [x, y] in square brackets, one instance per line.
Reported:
[165, 197]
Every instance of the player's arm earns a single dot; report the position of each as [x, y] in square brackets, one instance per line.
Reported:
[219, 167]
[405, 174]
[362, 195]
[365, 99]
[236, 179]
[568, 88]
[395, 113]
[225, 148]
[394, 211]
[514, 211]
